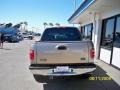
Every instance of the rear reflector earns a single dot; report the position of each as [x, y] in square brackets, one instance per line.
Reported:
[31, 55]
[92, 53]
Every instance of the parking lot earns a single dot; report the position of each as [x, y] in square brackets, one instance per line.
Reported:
[15, 75]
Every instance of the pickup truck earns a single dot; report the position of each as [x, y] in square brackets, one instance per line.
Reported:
[61, 51]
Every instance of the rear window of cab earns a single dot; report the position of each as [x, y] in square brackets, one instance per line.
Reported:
[61, 34]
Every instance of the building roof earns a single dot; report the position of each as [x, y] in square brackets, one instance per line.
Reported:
[81, 8]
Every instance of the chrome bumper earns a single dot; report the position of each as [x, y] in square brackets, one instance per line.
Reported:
[46, 71]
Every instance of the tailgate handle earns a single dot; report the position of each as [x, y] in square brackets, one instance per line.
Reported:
[62, 47]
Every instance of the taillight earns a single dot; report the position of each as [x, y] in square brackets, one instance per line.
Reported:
[92, 53]
[31, 55]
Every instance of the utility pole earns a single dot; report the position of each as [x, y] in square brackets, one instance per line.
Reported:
[74, 4]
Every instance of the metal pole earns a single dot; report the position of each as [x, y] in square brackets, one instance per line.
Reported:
[74, 2]
[74, 5]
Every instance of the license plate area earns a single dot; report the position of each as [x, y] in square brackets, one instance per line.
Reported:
[62, 69]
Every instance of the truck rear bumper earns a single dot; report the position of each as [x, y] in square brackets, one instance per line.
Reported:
[77, 70]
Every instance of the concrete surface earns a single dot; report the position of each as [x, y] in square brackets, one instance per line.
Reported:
[111, 71]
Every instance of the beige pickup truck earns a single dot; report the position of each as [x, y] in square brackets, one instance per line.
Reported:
[62, 52]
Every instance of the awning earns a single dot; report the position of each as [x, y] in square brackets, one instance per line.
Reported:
[89, 7]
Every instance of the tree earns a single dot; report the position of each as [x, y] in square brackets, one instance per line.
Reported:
[8, 25]
[25, 25]
[51, 24]
[57, 24]
[1, 24]
[45, 24]
[17, 26]
[21, 24]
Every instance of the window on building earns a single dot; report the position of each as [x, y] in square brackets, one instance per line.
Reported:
[107, 33]
[117, 33]
[87, 31]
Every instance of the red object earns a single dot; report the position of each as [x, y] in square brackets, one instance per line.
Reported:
[31, 55]
[92, 53]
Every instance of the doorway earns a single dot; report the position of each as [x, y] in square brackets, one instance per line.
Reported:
[116, 44]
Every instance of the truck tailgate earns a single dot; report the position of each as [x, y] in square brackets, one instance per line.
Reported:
[62, 52]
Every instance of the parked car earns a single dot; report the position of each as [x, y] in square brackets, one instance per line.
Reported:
[11, 34]
[62, 52]
[20, 37]
[27, 35]
[11, 38]
[30, 37]
[38, 34]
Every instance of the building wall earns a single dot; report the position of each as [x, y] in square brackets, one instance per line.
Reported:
[115, 58]
[105, 54]
[97, 22]
[96, 19]
[96, 33]
[110, 13]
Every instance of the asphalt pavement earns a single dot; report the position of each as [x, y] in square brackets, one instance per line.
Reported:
[15, 75]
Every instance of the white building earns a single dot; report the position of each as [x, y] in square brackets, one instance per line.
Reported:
[100, 22]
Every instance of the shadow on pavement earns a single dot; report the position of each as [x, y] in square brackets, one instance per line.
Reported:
[82, 82]
[6, 49]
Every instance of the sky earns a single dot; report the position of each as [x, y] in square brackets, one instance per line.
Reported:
[36, 12]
